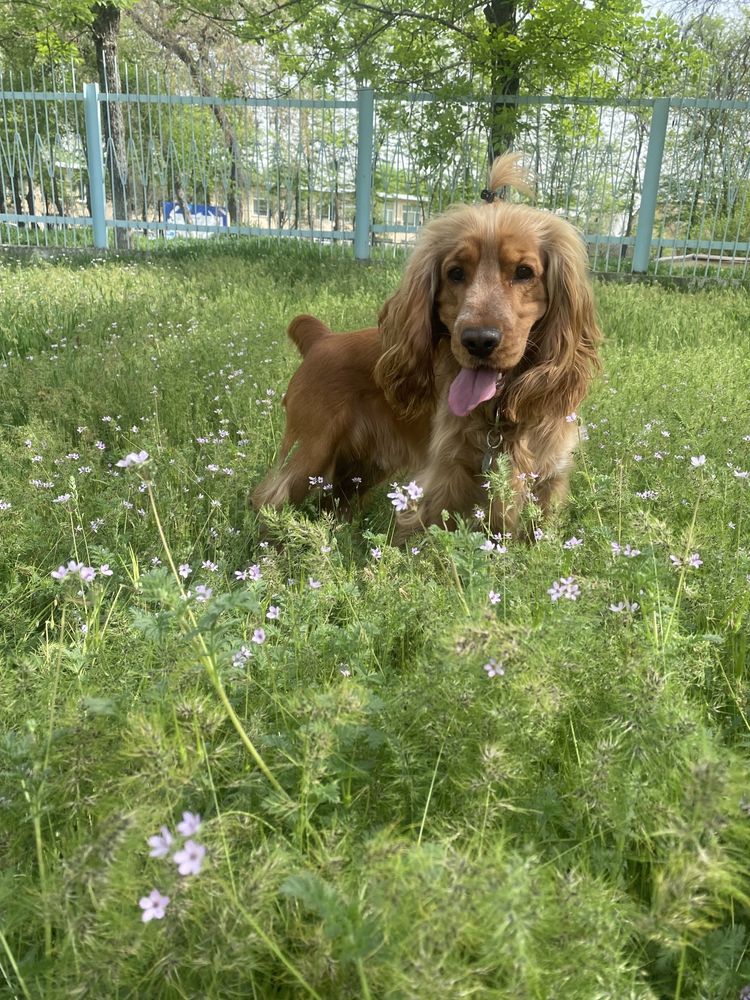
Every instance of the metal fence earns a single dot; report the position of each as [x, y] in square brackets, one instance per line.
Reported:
[655, 184]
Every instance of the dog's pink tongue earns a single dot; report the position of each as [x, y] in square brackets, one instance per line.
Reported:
[471, 387]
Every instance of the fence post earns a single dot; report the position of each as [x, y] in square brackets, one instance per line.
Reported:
[95, 163]
[363, 176]
[647, 211]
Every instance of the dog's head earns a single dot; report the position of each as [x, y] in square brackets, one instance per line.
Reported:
[509, 285]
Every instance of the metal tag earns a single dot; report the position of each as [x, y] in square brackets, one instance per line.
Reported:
[494, 442]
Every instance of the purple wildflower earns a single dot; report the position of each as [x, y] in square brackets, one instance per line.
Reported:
[398, 499]
[240, 658]
[189, 824]
[624, 606]
[190, 859]
[154, 906]
[493, 668]
[565, 587]
[133, 458]
[573, 543]
[160, 843]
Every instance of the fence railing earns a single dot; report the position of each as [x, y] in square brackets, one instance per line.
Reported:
[654, 184]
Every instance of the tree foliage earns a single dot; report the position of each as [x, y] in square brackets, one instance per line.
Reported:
[461, 45]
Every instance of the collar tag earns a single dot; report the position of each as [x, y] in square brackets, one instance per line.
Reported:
[493, 443]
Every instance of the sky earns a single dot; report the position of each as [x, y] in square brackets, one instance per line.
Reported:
[726, 7]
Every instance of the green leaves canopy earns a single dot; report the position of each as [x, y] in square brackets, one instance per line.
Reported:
[461, 44]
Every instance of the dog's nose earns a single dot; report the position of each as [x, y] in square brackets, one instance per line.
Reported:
[480, 342]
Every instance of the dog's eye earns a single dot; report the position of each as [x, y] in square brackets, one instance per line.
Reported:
[456, 274]
[524, 272]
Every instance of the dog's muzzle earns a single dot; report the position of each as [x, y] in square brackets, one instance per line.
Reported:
[480, 342]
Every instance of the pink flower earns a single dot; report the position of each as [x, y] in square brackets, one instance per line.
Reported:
[190, 824]
[398, 499]
[253, 573]
[133, 458]
[241, 657]
[493, 668]
[573, 543]
[160, 843]
[565, 587]
[154, 906]
[86, 574]
[190, 859]
[624, 606]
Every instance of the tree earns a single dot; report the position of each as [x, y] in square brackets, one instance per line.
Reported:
[105, 29]
[45, 33]
[458, 47]
[164, 26]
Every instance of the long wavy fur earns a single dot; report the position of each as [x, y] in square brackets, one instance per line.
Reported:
[562, 353]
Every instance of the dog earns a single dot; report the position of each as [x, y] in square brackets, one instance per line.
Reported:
[348, 437]
[493, 332]
[486, 348]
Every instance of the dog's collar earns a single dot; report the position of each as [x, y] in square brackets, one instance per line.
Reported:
[494, 438]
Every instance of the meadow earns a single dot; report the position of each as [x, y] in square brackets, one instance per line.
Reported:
[301, 762]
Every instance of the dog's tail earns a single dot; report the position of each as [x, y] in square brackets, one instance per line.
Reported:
[509, 171]
[305, 331]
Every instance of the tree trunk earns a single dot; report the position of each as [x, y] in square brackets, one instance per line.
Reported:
[161, 35]
[30, 198]
[17, 195]
[105, 29]
[506, 78]
[179, 196]
[633, 188]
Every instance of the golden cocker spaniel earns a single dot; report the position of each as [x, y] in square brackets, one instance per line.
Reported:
[486, 348]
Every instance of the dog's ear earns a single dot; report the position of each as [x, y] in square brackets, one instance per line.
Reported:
[405, 369]
[562, 354]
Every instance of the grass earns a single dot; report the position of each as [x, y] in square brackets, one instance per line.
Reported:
[381, 818]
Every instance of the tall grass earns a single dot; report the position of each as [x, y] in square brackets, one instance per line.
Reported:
[418, 774]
